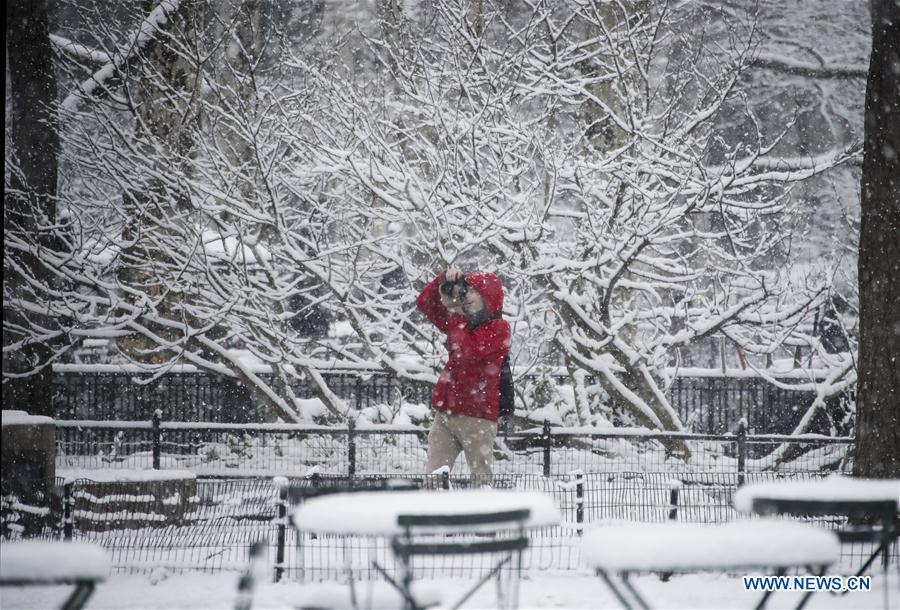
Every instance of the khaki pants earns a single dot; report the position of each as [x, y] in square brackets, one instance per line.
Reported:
[452, 434]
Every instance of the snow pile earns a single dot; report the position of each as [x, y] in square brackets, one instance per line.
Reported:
[369, 594]
[540, 589]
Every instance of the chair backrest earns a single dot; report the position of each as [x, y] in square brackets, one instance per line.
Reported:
[426, 534]
[515, 517]
[885, 510]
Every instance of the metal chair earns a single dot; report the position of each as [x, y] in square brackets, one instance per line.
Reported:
[326, 596]
[461, 534]
[247, 582]
[860, 513]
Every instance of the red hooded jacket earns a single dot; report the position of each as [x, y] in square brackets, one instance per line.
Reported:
[470, 382]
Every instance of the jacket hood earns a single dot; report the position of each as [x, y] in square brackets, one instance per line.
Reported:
[491, 290]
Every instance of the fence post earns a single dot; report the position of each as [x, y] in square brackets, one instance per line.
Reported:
[741, 450]
[579, 501]
[281, 483]
[351, 448]
[68, 509]
[314, 481]
[674, 489]
[722, 354]
[157, 437]
[545, 437]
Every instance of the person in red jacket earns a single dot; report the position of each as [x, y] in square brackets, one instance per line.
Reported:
[466, 398]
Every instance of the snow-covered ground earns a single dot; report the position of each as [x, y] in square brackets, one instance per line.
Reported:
[539, 589]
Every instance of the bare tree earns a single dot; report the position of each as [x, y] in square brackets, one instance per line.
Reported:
[216, 196]
[637, 245]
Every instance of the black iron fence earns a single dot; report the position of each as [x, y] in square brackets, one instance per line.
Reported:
[715, 405]
[210, 524]
[253, 450]
[709, 404]
[88, 394]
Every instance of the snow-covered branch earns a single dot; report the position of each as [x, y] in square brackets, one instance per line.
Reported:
[139, 41]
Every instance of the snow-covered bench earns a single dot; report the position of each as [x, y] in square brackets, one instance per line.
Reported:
[30, 563]
[617, 551]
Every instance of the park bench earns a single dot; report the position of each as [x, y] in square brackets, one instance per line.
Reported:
[46, 563]
[619, 551]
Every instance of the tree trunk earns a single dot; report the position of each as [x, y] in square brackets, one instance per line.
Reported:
[878, 410]
[29, 203]
[165, 84]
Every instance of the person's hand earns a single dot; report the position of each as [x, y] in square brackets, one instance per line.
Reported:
[453, 274]
[454, 308]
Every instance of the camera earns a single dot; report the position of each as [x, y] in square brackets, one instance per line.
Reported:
[454, 292]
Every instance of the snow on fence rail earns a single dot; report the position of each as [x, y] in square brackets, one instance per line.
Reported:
[253, 450]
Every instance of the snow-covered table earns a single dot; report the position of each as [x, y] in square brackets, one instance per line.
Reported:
[29, 563]
[375, 513]
[619, 550]
[396, 514]
[862, 499]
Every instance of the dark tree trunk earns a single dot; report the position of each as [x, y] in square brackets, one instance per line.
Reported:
[878, 396]
[29, 205]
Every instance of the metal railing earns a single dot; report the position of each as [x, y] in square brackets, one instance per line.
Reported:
[711, 404]
[204, 396]
[252, 450]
